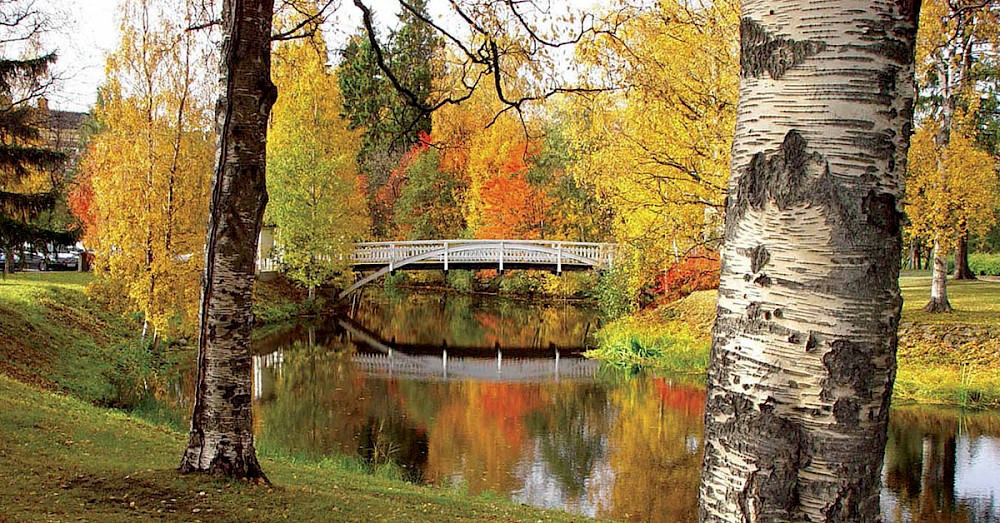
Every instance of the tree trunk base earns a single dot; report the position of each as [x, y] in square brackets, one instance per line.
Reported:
[937, 306]
[964, 275]
[230, 461]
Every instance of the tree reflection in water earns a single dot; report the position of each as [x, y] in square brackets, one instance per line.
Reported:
[612, 444]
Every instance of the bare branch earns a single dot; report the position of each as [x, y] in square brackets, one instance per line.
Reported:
[310, 20]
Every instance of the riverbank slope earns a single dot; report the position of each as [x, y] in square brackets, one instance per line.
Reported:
[65, 457]
[951, 359]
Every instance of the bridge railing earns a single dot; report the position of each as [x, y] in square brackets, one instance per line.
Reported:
[487, 251]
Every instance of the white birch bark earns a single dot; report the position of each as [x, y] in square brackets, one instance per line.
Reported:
[803, 354]
[221, 438]
[939, 282]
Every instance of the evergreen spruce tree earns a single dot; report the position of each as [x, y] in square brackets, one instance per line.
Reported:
[22, 160]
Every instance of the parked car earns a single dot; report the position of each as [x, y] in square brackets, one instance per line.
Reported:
[53, 261]
[15, 261]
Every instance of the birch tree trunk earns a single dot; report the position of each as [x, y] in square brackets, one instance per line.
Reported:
[939, 282]
[803, 353]
[221, 439]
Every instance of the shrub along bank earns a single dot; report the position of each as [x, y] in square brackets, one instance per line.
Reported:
[942, 358]
[66, 457]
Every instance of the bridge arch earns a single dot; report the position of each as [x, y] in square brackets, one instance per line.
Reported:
[386, 257]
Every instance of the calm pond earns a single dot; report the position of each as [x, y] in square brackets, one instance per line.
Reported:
[491, 395]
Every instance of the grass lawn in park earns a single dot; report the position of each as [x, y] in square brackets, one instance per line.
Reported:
[943, 358]
[67, 457]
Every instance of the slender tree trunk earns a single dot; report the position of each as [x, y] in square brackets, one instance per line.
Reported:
[221, 439]
[962, 269]
[914, 255]
[939, 282]
[803, 353]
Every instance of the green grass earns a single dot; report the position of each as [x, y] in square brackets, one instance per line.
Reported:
[673, 339]
[65, 458]
[949, 359]
[56, 338]
[975, 302]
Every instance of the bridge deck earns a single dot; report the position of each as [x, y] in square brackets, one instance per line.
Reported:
[386, 257]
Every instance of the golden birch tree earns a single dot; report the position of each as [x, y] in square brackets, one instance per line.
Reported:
[953, 40]
[150, 163]
[951, 193]
[657, 151]
[315, 193]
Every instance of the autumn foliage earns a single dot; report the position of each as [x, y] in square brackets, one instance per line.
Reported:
[696, 272]
[143, 191]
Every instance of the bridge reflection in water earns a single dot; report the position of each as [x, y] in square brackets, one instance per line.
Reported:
[387, 358]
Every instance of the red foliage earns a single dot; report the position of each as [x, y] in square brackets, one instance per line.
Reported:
[386, 196]
[81, 202]
[688, 400]
[508, 404]
[697, 272]
[513, 208]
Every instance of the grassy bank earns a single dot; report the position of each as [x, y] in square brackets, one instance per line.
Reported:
[943, 358]
[67, 458]
[279, 301]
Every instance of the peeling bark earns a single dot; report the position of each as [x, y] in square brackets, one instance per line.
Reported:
[803, 353]
[221, 439]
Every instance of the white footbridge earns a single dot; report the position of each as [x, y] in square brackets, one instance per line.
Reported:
[386, 257]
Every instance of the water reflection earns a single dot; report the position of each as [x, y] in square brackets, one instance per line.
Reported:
[588, 440]
[942, 467]
[611, 445]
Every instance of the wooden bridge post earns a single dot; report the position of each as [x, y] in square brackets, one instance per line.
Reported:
[446, 257]
[559, 258]
[501, 257]
[392, 258]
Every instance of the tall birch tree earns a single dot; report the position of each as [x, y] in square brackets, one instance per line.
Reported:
[803, 353]
[953, 37]
[149, 164]
[316, 199]
[221, 438]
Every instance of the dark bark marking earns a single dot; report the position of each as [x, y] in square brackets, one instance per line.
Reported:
[909, 9]
[812, 342]
[880, 211]
[847, 411]
[759, 258]
[848, 365]
[762, 51]
[789, 176]
[773, 487]
[880, 144]
[892, 35]
[762, 281]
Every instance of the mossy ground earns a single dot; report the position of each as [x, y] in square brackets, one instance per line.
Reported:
[65, 459]
[943, 358]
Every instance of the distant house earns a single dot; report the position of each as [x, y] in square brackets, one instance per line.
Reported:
[266, 262]
[62, 130]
